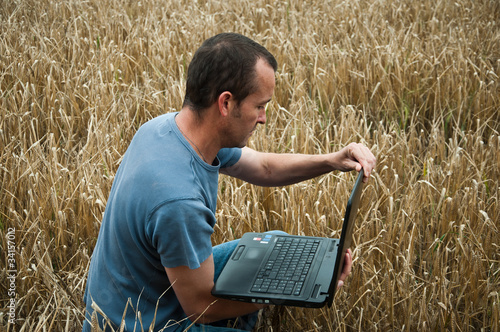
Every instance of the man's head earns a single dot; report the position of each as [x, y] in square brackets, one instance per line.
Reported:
[225, 62]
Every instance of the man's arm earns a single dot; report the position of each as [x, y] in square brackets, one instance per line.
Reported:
[193, 287]
[271, 169]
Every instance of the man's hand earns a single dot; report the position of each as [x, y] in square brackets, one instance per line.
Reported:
[356, 156]
[346, 269]
[192, 288]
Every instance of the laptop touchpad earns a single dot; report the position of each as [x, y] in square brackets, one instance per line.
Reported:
[255, 253]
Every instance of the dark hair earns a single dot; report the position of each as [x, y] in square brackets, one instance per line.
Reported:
[225, 62]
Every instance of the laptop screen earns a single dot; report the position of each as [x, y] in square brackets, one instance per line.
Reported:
[347, 229]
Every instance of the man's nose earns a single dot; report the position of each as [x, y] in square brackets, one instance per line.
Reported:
[262, 117]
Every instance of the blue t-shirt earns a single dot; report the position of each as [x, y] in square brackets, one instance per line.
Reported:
[160, 213]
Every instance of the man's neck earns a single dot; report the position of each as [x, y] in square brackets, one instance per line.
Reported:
[199, 132]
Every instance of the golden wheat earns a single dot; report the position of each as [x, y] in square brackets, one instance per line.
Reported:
[417, 81]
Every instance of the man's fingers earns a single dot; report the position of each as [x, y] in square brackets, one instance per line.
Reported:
[340, 284]
[364, 158]
[354, 157]
[346, 270]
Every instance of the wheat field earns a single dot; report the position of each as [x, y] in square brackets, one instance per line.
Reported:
[416, 81]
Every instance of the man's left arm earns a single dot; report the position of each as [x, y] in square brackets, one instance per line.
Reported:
[272, 169]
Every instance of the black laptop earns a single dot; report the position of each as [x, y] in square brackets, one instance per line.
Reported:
[288, 270]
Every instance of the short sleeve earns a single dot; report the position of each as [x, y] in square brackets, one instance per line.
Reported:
[180, 232]
[229, 156]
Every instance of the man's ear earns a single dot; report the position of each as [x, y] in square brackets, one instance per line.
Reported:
[226, 103]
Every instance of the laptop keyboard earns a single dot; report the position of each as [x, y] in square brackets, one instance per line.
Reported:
[286, 268]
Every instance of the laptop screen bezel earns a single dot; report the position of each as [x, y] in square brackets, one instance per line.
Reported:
[346, 236]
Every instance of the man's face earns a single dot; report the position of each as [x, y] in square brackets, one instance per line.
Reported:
[252, 110]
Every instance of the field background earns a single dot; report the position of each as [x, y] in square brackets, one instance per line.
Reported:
[417, 81]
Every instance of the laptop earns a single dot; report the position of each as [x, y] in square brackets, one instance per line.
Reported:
[289, 270]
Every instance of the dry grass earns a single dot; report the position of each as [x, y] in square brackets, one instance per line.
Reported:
[417, 81]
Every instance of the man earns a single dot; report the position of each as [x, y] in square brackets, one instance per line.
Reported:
[153, 264]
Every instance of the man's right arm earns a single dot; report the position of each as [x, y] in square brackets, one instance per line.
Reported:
[275, 169]
[193, 287]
